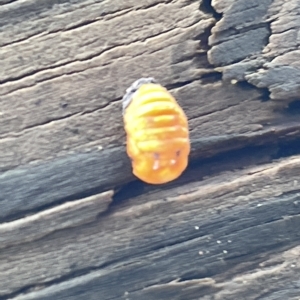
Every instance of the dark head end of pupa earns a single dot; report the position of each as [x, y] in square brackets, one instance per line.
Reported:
[132, 89]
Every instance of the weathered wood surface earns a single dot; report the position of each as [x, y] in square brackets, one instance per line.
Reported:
[76, 224]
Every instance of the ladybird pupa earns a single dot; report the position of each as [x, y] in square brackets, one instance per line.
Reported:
[157, 132]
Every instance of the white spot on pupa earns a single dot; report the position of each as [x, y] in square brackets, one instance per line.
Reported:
[197, 227]
[225, 251]
[219, 242]
[156, 165]
[200, 252]
[173, 161]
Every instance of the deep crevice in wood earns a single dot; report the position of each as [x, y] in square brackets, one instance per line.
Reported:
[294, 107]
[178, 84]
[3, 2]
[211, 77]
[265, 93]
[286, 149]
[203, 39]
[207, 7]
[212, 166]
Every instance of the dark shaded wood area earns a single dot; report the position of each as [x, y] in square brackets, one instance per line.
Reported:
[76, 224]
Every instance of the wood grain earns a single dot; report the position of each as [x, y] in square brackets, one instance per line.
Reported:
[69, 214]
[76, 224]
[60, 99]
[206, 230]
[26, 190]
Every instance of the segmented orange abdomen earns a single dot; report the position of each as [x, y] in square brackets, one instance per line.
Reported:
[157, 132]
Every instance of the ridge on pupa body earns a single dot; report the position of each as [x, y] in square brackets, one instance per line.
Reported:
[157, 132]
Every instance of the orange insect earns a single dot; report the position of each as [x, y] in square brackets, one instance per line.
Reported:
[157, 132]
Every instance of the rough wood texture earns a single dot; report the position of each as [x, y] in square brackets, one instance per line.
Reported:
[70, 214]
[75, 224]
[219, 228]
[263, 48]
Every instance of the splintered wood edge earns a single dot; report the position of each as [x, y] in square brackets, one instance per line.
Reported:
[277, 276]
[263, 49]
[214, 223]
[30, 188]
[171, 290]
[69, 214]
